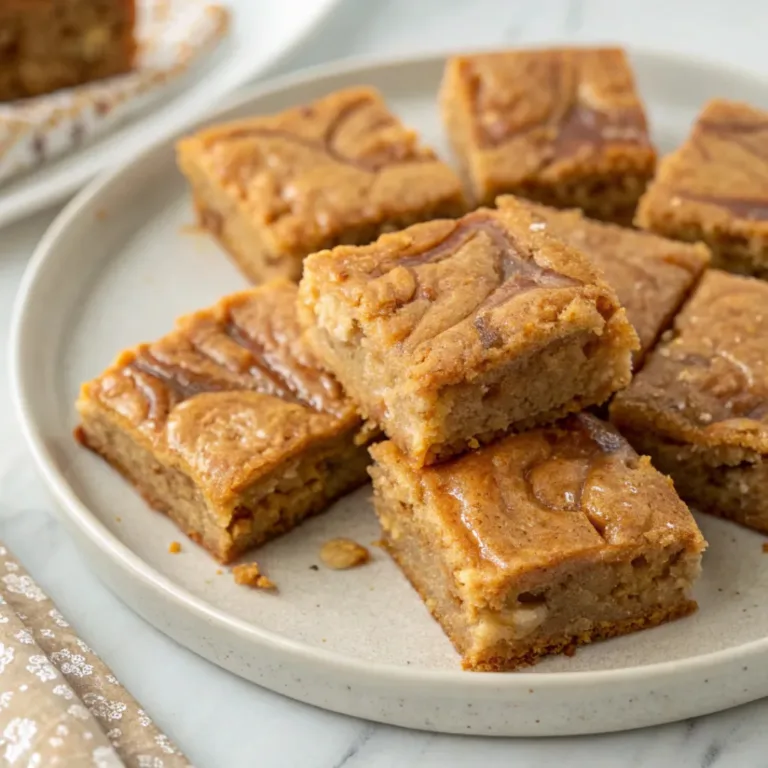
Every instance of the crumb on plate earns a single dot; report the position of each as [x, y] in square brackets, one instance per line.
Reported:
[340, 554]
[250, 575]
[174, 547]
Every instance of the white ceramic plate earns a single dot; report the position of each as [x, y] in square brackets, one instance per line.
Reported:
[117, 267]
[261, 32]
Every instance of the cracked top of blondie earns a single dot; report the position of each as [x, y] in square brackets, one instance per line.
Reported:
[227, 395]
[651, 275]
[445, 300]
[309, 173]
[707, 383]
[532, 501]
[548, 111]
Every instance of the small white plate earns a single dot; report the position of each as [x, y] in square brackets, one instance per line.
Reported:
[261, 32]
[117, 267]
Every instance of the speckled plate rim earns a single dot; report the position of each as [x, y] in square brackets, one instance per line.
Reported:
[118, 566]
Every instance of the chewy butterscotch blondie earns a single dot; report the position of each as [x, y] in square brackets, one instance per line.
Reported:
[559, 536]
[227, 424]
[699, 407]
[564, 127]
[714, 188]
[449, 333]
[343, 169]
[46, 45]
[652, 276]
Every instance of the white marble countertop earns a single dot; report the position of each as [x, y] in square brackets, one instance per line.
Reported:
[220, 720]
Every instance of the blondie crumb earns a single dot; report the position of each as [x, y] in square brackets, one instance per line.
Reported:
[250, 575]
[341, 554]
[765, 548]
[174, 547]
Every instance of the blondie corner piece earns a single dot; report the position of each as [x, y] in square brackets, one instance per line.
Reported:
[714, 188]
[564, 127]
[227, 424]
[449, 333]
[542, 541]
[699, 407]
[652, 276]
[47, 45]
[340, 170]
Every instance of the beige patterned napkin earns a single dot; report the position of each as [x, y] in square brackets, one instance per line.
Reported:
[172, 34]
[59, 703]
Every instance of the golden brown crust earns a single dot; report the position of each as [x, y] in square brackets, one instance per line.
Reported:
[337, 170]
[456, 296]
[506, 658]
[207, 421]
[540, 542]
[532, 501]
[227, 396]
[714, 188]
[652, 276]
[497, 660]
[549, 124]
[450, 333]
[707, 385]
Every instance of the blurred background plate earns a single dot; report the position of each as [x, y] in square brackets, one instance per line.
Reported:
[261, 33]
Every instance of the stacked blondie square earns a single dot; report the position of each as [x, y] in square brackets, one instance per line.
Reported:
[521, 372]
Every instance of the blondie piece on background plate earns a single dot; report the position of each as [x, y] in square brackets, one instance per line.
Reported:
[227, 424]
[714, 188]
[343, 169]
[556, 537]
[564, 127]
[46, 45]
[699, 407]
[652, 276]
[451, 332]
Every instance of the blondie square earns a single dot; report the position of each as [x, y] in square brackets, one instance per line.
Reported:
[227, 424]
[564, 127]
[449, 333]
[340, 170]
[542, 541]
[714, 188]
[652, 276]
[46, 45]
[699, 407]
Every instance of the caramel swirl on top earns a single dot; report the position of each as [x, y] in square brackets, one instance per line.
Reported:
[247, 343]
[581, 100]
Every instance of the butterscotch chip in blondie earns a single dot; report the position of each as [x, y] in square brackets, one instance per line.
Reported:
[556, 537]
[46, 45]
[652, 276]
[699, 407]
[340, 170]
[565, 127]
[714, 188]
[227, 424]
[451, 332]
